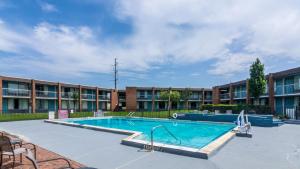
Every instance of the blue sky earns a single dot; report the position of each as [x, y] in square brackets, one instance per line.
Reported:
[183, 43]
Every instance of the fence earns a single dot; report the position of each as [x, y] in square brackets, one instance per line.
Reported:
[292, 113]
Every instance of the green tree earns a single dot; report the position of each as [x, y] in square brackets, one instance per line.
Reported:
[185, 95]
[171, 96]
[257, 81]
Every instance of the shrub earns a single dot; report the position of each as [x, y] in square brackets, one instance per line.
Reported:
[81, 114]
[237, 108]
[22, 116]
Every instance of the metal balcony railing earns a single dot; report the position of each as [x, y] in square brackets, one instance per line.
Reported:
[144, 97]
[289, 89]
[208, 97]
[104, 97]
[88, 96]
[224, 96]
[285, 89]
[195, 97]
[122, 97]
[49, 94]
[16, 92]
[66, 95]
[242, 94]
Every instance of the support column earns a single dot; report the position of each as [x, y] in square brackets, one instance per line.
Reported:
[216, 95]
[131, 98]
[80, 98]
[153, 99]
[97, 98]
[231, 94]
[247, 92]
[114, 102]
[1, 97]
[59, 96]
[32, 96]
[271, 93]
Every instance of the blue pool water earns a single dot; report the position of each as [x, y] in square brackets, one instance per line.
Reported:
[190, 134]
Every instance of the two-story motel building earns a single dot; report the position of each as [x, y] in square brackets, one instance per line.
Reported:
[19, 95]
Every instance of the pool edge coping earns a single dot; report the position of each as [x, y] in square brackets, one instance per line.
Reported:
[203, 153]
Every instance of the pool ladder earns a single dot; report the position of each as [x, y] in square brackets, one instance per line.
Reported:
[168, 131]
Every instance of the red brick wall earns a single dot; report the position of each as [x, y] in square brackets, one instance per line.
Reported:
[271, 93]
[33, 96]
[216, 96]
[97, 99]
[231, 94]
[59, 96]
[131, 98]
[153, 99]
[247, 92]
[114, 102]
[80, 98]
[0, 95]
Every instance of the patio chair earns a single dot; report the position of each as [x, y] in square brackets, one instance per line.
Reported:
[13, 139]
[10, 150]
[36, 163]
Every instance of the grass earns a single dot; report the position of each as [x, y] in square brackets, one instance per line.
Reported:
[22, 116]
[157, 114]
[38, 116]
[81, 114]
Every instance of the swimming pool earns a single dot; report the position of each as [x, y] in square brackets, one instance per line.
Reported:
[187, 133]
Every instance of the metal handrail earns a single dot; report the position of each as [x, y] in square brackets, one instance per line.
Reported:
[130, 114]
[164, 127]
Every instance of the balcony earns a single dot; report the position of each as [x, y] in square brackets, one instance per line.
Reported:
[122, 97]
[66, 95]
[208, 97]
[286, 89]
[195, 97]
[144, 97]
[88, 96]
[104, 97]
[289, 89]
[46, 94]
[16, 92]
[224, 96]
[240, 95]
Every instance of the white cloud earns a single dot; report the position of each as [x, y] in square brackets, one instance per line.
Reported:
[201, 30]
[178, 31]
[231, 64]
[48, 7]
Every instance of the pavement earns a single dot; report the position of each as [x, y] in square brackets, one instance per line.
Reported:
[270, 148]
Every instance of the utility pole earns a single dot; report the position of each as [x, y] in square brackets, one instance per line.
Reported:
[116, 73]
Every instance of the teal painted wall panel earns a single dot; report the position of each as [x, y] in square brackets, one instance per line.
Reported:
[278, 106]
[289, 102]
[149, 106]
[51, 88]
[51, 105]
[4, 105]
[4, 84]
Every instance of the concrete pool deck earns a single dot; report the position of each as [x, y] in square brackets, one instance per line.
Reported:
[274, 148]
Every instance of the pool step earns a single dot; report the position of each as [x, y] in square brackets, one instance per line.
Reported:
[292, 121]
